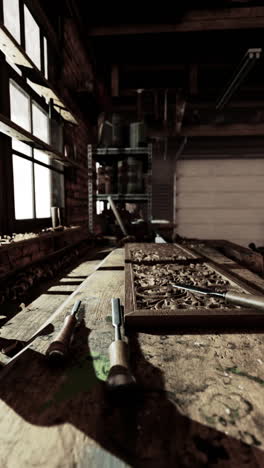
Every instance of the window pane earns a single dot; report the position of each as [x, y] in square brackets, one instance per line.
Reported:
[23, 188]
[42, 157]
[40, 123]
[19, 106]
[46, 71]
[21, 147]
[32, 37]
[42, 191]
[11, 17]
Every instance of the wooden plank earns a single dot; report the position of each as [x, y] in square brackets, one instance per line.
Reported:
[13, 130]
[57, 413]
[195, 20]
[220, 249]
[22, 324]
[209, 130]
[146, 320]
[12, 50]
[48, 93]
[209, 386]
[17, 55]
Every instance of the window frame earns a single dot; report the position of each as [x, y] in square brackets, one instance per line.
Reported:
[42, 35]
[31, 158]
[8, 222]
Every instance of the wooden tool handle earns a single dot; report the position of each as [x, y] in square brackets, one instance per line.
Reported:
[119, 375]
[60, 344]
[246, 300]
[118, 353]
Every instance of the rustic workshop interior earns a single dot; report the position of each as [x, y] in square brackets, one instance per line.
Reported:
[131, 235]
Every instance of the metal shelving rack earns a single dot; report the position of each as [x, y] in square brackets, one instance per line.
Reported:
[93, 154]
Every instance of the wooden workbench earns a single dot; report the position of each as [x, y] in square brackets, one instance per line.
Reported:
[202, 395]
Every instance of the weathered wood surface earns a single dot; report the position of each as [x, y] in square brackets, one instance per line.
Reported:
[202, 395]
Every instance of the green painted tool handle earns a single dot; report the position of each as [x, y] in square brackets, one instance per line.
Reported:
[245, 300]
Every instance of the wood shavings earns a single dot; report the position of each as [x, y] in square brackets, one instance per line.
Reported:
[172, 254]
[154, 291]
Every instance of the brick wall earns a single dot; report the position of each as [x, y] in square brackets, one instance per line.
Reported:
[76, 70]
[21, 254]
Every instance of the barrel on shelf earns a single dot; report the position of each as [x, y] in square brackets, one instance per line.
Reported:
[134, 175]
[109, 185]
[101, 180]
[122, 176]
[137, 135]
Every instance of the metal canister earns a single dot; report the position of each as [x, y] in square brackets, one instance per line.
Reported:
[122, 176]
[109, 179]
[117, 130]
[134, 175]
[137, 134]
[101, 180]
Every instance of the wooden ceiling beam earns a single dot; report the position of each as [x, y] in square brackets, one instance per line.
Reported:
[211, 131]
[195, 20]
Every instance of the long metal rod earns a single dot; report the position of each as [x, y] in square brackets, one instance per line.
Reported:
[243, 69]
[197, 290]
[118, 218]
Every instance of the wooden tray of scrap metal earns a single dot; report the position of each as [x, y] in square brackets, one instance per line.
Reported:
[151, 301]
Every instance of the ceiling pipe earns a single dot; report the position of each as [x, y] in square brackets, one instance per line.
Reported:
[248, 61]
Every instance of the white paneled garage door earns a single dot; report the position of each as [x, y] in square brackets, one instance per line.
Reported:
[221, 199]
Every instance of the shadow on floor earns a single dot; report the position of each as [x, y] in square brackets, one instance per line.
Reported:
[148, 430]
[11, 308]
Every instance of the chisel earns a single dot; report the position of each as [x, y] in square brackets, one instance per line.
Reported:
[232, 297]
[59, 347]
[120, 377]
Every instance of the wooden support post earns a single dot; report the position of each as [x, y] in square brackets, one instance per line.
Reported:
[7, 211]
[179, 111]
[1, 12]
[193, 79]
[156, 104]
[115, 80]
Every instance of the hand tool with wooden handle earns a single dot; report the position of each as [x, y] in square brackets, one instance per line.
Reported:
[59, 347]
[231, 297]
[120, 377]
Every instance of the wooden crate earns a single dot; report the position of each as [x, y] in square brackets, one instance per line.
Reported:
[151, 302]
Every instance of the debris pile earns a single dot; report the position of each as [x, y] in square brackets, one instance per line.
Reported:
[17, 286]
